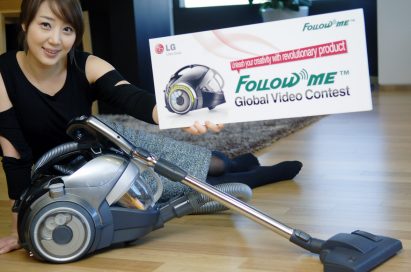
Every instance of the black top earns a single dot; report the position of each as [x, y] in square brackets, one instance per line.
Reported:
[43, 118]
[37, 122]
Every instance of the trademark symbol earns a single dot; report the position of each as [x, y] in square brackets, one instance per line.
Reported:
[345, 72]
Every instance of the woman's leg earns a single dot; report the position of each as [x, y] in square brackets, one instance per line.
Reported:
[221, 163]
[260, 175]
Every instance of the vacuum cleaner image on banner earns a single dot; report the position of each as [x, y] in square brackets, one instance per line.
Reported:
[194, 87]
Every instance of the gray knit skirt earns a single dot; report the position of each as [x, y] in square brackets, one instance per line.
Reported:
[195, 160]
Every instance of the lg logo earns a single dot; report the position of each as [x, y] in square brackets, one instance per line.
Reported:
[159, 48]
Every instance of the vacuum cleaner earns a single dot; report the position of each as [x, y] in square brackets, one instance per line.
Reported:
[194, 87]
[76, 207]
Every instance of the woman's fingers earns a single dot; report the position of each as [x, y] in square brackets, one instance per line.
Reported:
[214, 127]
[198, 129]
[9, 243]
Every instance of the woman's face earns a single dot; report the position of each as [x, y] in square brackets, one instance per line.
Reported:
[49, 38]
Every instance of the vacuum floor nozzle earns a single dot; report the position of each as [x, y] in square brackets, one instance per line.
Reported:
[357, 251]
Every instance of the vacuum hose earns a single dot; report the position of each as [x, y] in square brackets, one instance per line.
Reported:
[52, 155]
[197, 203]
[238, 190]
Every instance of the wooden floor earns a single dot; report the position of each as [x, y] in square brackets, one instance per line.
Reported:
[356, 175]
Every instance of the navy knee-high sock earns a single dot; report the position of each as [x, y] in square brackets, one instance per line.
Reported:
[240, 163]
[261, 175]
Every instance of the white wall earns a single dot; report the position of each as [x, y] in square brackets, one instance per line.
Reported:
[394, 42]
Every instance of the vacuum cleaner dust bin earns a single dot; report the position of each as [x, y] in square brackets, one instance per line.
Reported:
[139, 196]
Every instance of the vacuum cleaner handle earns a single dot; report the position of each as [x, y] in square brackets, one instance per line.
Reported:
[89, 129]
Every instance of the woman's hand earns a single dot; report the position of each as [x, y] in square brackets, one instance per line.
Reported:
[155, 114]
[198, 129]
[9, 243]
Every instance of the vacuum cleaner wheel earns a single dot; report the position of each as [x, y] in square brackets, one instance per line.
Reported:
[61, 232]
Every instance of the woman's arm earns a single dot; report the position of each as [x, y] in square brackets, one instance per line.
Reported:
[7, 148]
[96, 68]
[5, 103]
[8, 243]
[112, 88]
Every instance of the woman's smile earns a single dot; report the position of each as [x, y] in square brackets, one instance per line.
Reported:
[52, 53]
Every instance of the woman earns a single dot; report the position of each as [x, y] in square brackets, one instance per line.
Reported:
[49, 83]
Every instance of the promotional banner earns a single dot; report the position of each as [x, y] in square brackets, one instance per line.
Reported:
[306, 66]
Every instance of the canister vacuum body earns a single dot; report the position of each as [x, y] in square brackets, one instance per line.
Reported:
[103, 202]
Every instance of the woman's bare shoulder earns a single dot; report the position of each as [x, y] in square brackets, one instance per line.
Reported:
[5, 103]
[96, 67]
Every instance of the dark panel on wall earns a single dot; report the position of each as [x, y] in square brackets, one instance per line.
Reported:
[12, 31]
[370, 17]
[99, 16]
[123, 39]
[152, 19]
[187, 20]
